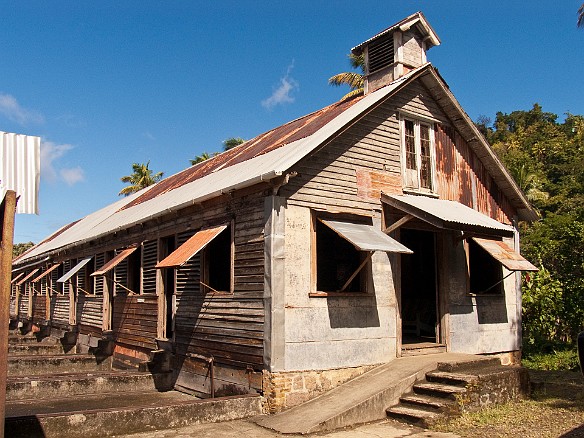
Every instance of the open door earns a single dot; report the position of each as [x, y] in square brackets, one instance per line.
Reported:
[419, 288]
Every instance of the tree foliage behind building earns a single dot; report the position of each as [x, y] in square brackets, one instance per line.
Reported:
[546, 158]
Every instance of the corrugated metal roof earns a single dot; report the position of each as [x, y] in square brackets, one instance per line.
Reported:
[446, 214]
[508, 257]
[20, 166]
[366, 237]
[74, 270]
[191, 247]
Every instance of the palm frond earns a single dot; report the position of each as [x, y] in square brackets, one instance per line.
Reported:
[352, 79]
[580, 22]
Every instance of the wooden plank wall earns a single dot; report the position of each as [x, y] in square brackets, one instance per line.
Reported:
[23, 304]
[134, 320]
[89, 313]
[60, 309]
[228, 327]
[39, 307]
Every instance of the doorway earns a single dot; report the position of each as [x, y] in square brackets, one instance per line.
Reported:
[419, 290]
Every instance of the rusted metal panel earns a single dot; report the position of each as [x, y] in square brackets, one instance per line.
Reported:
[508, 257]
[27, 277]
[191, 247]
[371, 183]
[45, 273]
[115, 261]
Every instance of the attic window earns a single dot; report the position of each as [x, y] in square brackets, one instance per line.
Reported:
[380, 53]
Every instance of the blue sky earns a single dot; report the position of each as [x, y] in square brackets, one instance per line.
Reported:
[109, 83]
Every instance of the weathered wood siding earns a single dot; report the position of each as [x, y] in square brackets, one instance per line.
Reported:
[134, 320]
[348, 174]
[149, 260]
[39, 307]
[89, 313]
[60, 309]
[23, 305]
[13, 311]
[228, 327]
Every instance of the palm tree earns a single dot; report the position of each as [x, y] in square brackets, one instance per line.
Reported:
[230, 143]
[200, 158]
[353, 79]
[581, 16]
[141, 178]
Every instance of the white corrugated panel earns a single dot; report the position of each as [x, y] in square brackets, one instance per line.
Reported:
[20, 166]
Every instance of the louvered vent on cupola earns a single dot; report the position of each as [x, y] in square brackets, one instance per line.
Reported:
[380, 53]
[396, 51]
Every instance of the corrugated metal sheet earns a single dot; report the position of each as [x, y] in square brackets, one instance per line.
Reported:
[15, 279]
[508, 257]
[20, 166]
[366, 237]
[115, 261]
[47, 272]
[74, 270]
[445, 214]
[190, 248]
[30, 274]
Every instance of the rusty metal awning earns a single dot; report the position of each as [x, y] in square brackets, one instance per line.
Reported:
[448, 215]
[190, 248]
[30, 274]
[15, 279]
[366, 237]
[47, 272]
[74, 270]
[506, 255]
[119, 258]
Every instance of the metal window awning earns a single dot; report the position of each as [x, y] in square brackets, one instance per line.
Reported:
[47, 272]
[190, 248]
[116, 260]
[448, 215]
[506, 255]
[15, 279]
[30, 274]
[74, 270]
[366, 237]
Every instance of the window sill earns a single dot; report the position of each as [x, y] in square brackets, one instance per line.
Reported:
[337, 294]
[413, 191]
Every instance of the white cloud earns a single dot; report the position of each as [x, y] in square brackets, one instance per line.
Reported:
[12, 110]
[282, 93]
[50, 154]
[149, 135]
[73, 175]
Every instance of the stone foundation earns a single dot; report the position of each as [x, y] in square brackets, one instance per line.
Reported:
[283, 390]
[508, 357]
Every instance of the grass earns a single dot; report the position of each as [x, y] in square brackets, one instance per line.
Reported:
[556, 408]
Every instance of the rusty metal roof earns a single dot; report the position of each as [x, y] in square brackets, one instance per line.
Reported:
[119, 258]
[262, 144]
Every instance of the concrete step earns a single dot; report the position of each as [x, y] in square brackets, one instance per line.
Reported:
[61, 385]
[439, 390]
[414, 414]
[115, 414]
[426, 401]
[456, 379]
[70, 363]
[476, 364]
[35, 349]
[29, 339]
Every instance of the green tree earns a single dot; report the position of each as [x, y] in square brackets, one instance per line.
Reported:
[141, 177]
[19, 248]
[354, 80]
[200, 158]
[230, 143]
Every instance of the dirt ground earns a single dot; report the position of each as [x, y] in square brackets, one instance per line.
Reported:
[555, 409]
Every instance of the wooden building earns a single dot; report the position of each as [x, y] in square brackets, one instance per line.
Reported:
[378, 226]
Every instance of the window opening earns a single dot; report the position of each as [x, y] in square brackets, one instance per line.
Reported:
[218, 262]
[417, 146]
[486, 273]
[336, 260]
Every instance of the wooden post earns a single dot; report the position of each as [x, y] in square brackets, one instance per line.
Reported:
[7, 212]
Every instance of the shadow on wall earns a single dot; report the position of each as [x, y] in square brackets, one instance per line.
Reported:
[349, 312]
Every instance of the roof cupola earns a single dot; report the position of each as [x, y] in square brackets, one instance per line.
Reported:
[396, 51]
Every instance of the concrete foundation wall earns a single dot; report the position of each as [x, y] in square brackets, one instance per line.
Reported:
[480, 324]
[333, 332]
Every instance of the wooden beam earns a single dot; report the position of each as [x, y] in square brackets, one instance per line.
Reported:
[352, 277]
[7, 212]
[399, 223]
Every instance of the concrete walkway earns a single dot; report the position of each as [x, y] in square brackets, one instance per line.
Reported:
[248, 429]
